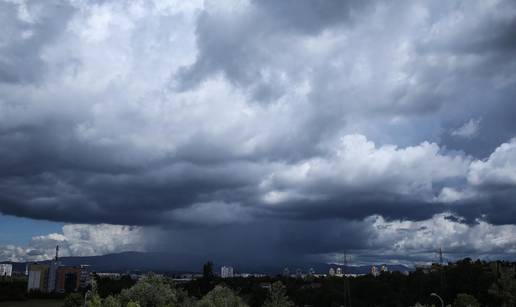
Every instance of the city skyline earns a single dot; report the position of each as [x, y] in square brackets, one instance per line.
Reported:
[258, 131]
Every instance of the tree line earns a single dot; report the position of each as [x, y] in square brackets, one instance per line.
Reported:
[459, 284]
[158, 291]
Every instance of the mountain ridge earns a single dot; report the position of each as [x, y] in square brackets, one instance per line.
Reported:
[180, 263]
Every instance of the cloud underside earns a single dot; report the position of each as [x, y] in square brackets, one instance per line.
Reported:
[372, 240]
[250, 119]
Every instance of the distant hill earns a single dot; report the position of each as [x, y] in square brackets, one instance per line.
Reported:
[130, 261]
[177, 263]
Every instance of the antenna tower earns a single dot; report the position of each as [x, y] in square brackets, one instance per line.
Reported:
[347, 292]
[441, 269]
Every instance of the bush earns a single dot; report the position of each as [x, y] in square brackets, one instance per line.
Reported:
[110, 301]
[150, 291]
[278, 297]
[465, 300]
[221, 297]
[73, 300]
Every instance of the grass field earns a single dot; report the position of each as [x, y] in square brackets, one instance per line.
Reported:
[33, 303]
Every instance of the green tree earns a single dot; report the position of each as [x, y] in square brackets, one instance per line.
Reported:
[465, 300]
[110, 301]
[278, 297]
[73, 300]
[221, 297]
[183, 299]
[94, 301]
[504, 288]
[133, 304]
[150, 291]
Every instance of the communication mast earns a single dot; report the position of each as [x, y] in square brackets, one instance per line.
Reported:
[441, 270]
[347, 292]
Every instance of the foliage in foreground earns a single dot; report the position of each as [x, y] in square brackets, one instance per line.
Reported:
[221, 296]
[156, 291]
[278, 297]
[465, 300]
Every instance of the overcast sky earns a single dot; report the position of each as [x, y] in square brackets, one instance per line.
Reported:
[258, 130]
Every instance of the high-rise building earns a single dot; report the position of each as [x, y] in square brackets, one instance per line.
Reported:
[339, 272]
[374, 271]
[226, 272]
[6, 269]
[68, 279]
[384, 268]
[38, 277]
[54, 277]
[331, 272]
[85, 278]
[52, 271]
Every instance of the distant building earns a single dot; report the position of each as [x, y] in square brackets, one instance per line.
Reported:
[374, 271]
[109, 275]
[331, 272]
[6, 269]
[226, 272]
[338, 272]
[311, 272]
[68, 279]
[85, 278]
[384, 268]
[38, 277]
[299, 273]
[52, 273]
[266, 285]
[286, 272]
[54, 277]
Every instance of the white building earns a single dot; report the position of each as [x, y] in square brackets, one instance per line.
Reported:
[226, 272]
[331, 272]
[52, 275]
[384, 268]
[338, 272]
[374, 271]
[6, 269]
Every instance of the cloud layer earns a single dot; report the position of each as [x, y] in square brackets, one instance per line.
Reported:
[210, 118]
[78, 240]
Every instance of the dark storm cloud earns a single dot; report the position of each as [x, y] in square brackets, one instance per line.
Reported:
[311, 17]
[269, 242]
[290, 124]
[23, 37]
[240, 45]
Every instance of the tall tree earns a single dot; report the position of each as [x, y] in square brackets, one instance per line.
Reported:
[94, 301]
[504, 288]
[221, 297]
[111, 301]
[278, 297]
[207, 270]
[73, 300]
[150, 291]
